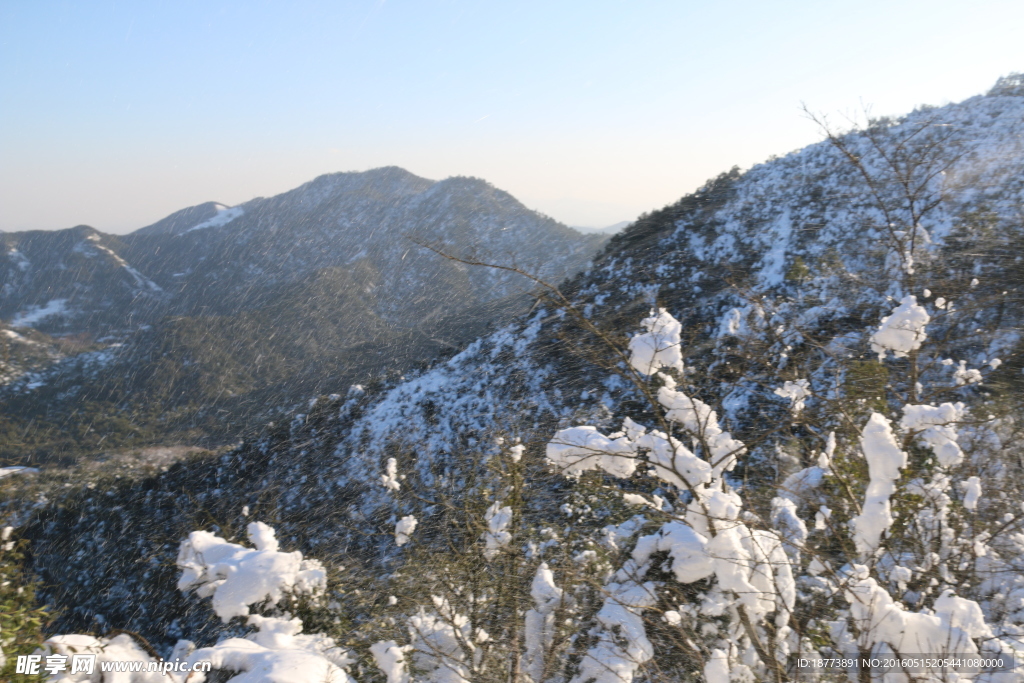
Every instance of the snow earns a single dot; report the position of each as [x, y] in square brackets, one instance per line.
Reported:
[717, 668]
[732, 564]
[516, 452]
[963, 614]
[903, 331]
[496, 537]
[470, 395]
[788, 522]
[237, 577]
[404, 529]
[8, 471]
[934, 426]
[278, 653]
[635, 499]
[773, 264]
[687, 548]
[35, 314]
[120, 648]
[622, 646]
[437, 641]
[731, 324]
[659, 347]
[390, 659]
[972, 492]
[390, 477]
[701, 421]
[825, 457]
[19, 260]
[673, 462]
[885, 459]
[799, 485]
[796, 392]
[883, 622]
[539, 629]
[140, 279]
[962, 375]
[580, 449]
[224, 216]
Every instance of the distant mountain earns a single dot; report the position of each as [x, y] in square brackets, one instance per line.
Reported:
[71, 281]
[223, 310]
[608, 230]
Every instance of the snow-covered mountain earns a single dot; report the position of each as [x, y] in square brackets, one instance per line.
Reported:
[798, 259]
[216, 259]
[278, 296]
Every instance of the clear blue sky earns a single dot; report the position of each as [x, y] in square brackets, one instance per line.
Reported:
[117, 113]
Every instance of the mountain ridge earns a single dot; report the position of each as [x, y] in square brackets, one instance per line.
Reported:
[212, 279]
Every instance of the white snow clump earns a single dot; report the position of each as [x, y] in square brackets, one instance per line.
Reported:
[277, 653]
[934, 426]
[236, 576]
[884, 462]
[659, 347]
[796, 392]
[120, 648]
[404, 529]
[902, 331]
[972, 492]
[390, 659]
[539, 631]
[390, 477]
[496, 537]
[962, 375]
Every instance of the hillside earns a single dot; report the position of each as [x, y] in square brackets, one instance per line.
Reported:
[197, 324]
[781, 278]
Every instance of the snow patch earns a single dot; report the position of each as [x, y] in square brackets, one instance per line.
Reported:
[224, 216]
[8, 471]
[35, 314]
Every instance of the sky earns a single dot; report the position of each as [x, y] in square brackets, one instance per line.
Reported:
[115, 114]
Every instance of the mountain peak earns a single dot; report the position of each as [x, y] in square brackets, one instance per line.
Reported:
[183, 220]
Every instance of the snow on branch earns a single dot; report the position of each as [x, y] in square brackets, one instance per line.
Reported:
[903, 331]
[659, 347]
[935, 427]
[278, 653]
[885, 459]
[404, 529]
[237, 577]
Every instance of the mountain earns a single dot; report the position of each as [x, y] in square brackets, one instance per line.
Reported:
[776, 274]
[71, 281]
[198, 324]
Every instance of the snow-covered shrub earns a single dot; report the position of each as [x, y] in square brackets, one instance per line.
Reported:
[120, 648]
[278, 653]
[237, 577]
[748, 570]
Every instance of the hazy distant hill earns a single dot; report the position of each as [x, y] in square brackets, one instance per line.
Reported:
[221, 311]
